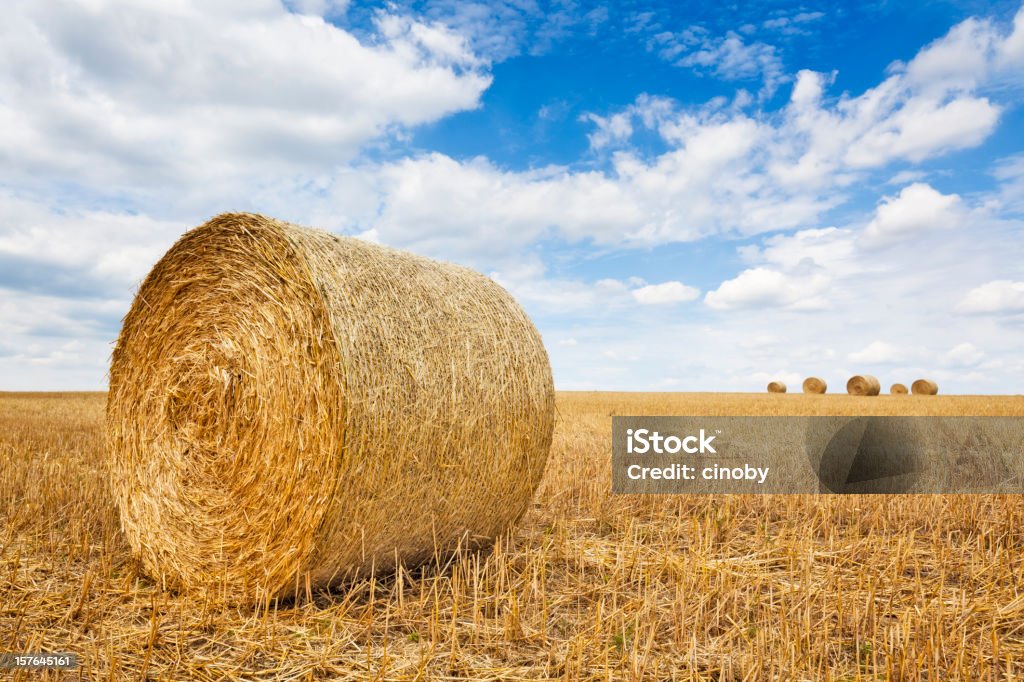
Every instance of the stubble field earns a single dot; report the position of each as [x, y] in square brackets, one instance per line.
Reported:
[589, 586]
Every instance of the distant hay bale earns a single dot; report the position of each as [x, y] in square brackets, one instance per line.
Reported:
[815, 386]
[776, 387]
[924, 387]
[864, 385]
[291, 408]
[898, 389]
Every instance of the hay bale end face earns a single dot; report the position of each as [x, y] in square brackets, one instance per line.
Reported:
[898, 389]
[776, 387]
[288, 405]
[815, 386]
[924, 387]
[863, 385]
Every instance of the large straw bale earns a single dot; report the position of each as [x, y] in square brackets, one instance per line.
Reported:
[864, 385]
[898, 389]
[776, 387]
[288, 407]
[815, 386]
[924, 387]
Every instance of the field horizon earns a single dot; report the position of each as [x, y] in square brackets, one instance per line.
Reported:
[767, 396]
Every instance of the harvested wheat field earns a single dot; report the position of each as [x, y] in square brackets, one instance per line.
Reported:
[589, 585]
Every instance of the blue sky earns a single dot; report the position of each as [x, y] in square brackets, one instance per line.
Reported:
[683, 196]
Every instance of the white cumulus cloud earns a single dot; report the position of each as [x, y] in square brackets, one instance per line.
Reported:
[963, 355]
[879, 352]
[135, 93]
[999, 296]
[665, 293]
[763, 287]
[917, 208]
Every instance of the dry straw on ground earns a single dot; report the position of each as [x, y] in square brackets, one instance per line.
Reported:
[924, 387]
[898, 389]
[815, 386]
[289, 408]
[863, 384]
[776, 387]
[590, 586]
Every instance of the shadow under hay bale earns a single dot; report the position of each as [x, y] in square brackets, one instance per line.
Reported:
[288, 406]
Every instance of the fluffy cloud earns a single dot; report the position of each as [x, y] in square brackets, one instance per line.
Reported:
[963, 355]
[999, 296]
[55, 341]
[665, 293]
[896, 120]
[210, 91]
[926, 107]
[879, 352]
[77, 253]
[829, 249]
[917, 208]
[709, 185]
[1010, 52]
[762, 287]
[480, 213]
[241, 131]
[816, 268]
[724, 171]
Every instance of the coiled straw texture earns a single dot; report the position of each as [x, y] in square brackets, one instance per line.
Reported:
[898, 389]
[863, 384]
[288, 407]
[924, 387]
[776, 387]
[815, 386]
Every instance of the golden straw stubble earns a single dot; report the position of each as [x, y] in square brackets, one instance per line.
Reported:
[815, 386]
[924, 387]
[288, 407]
[863, 385]
[776, 387]
[898, 389]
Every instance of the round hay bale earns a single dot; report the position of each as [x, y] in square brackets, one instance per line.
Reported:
[776, 387]
[898, 389]
[290, 408]
[924, 387]
[863, 384]
[815, 386]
